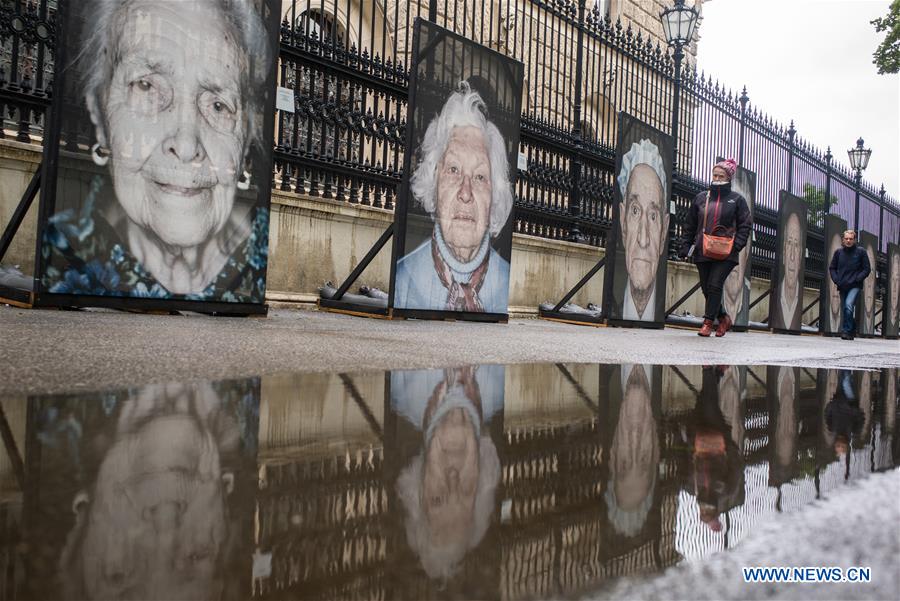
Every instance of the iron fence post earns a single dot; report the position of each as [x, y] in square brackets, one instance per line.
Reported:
[743, 99]
[881, 194]
[432, 11]
[676, 106]
[827, 207]
[790, 174]
[575, 193]
[858, 181]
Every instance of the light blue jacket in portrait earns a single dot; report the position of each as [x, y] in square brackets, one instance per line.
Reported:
[418, 286]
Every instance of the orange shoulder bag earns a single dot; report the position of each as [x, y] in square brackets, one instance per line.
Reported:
[716, 247]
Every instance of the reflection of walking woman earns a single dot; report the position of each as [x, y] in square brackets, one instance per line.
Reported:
[718, 211]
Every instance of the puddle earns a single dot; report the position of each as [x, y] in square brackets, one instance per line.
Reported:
[485, 482]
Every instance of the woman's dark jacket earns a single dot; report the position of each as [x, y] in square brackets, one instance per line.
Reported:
[849, 267]
[733, 214]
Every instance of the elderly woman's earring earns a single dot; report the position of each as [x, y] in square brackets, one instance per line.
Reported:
[100, 155]
[243, 182]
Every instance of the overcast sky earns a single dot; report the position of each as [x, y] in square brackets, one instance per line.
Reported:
[811, 61]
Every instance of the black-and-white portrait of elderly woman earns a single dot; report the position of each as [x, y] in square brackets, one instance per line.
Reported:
[448, 491]
[462, 181]
[176, 95]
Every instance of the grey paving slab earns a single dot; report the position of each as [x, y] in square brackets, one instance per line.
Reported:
[50, 351]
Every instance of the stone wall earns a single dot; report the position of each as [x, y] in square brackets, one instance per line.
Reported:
[317, 240]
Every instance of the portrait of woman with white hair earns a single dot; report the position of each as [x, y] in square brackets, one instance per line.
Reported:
[448, 491]
[463, 181]
[173, 203]
[146, 492]
[635, 276]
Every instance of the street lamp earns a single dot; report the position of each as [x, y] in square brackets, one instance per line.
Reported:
[678, 24]
[859, 160]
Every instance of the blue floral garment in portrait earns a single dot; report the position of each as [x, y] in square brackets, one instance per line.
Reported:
[83, 254]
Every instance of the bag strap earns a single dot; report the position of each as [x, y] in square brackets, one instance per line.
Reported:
[705, 209]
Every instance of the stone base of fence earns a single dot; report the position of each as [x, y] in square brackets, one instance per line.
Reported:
[314, 240]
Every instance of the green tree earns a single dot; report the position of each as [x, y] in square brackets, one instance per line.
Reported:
[887, 55]
[818, 203]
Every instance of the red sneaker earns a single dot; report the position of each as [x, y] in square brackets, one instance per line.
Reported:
[725, 324]
[706, 329]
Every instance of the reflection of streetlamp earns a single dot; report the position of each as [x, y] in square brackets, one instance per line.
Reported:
[678, 24]
[859, 160]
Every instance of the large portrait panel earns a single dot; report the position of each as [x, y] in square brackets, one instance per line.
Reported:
[736, 293]
[453, 223]
[891, 302]
[634, 284]
[830, 296]
[786, 303]
[159, 156]
[865, 308]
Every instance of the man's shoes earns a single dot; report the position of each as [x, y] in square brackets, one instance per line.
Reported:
[706, 328]
[725, 324]
[846, 336]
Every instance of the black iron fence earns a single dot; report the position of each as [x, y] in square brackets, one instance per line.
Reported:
[346, 62]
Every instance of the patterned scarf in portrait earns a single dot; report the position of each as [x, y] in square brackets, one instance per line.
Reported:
[462, 296]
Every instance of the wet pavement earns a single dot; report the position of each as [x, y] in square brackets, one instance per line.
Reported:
[524, 481]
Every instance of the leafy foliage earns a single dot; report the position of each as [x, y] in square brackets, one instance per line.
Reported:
[887, 55]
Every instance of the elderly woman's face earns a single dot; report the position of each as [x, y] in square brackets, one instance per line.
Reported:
[792, 251]
[464, 191]
[175, 120]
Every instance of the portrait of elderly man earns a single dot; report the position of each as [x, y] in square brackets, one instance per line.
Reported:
[448, 490]
[634, 454]
[893, 304]
[643, 225]
[462, 180]
[868, 323]
[176, 94]
[791, 288]
[834, 295]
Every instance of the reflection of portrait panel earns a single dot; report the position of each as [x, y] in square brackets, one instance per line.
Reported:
[635, 273]
[631, 439]
[830, 296]
[782, 391]
[447, 481]
[162, 190]
[146, 493]
[865, 309]
[455, 237]
[736, 293]
[786, 304]
[826, 388]
[891, 302]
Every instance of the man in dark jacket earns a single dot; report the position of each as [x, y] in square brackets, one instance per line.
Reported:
[849, 268]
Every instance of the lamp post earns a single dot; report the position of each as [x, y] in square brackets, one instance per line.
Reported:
[859, 160]
[678, 24]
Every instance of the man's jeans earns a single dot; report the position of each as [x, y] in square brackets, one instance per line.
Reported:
[848, 303]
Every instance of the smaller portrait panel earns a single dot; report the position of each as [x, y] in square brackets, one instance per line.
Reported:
[891, 303]
[736, 294]
[865, 308]
[453, 240]
[634, 285]
[782, 393]
[444, 449]
[631, 438]
[786, 304]
[830, 296]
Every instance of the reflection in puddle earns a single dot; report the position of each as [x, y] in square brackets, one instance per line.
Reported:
[476, 482]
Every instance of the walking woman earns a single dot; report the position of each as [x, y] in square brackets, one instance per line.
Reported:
[717, 228]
